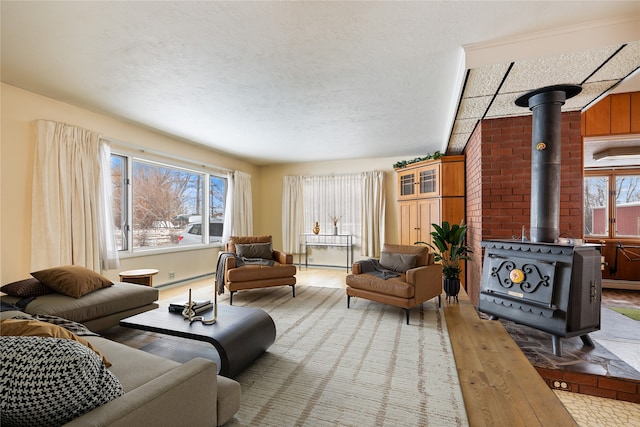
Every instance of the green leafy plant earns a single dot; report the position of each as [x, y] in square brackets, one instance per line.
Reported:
[449, 247]
[404, 163]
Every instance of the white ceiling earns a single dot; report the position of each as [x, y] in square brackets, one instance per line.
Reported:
[279, 82]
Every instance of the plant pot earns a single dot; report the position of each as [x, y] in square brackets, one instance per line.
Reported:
[451, 287]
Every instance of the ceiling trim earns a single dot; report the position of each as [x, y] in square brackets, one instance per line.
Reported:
[553, 42]
[460, 82]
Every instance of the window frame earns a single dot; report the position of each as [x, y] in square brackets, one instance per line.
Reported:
[128, 250]
[612, 175]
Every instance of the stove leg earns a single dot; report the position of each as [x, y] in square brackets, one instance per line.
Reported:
[556, 345]
[587, 341]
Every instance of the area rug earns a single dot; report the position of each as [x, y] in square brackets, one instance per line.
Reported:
[333, 366]
[632, 313]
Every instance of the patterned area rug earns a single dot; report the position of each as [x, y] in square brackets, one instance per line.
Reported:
[363, 366]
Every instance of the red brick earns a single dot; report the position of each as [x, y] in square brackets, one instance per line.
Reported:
[583, 379]
[629, 397]
[595, 391]
[618, 385]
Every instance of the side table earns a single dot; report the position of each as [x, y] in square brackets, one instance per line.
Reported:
[143, 276]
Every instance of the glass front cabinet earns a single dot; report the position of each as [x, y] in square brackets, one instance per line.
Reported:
[429, 192]
[422, 181]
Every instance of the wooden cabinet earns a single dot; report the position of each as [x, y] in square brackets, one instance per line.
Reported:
[416, 217]
[420, 181]
[616, 114]
[429, 192]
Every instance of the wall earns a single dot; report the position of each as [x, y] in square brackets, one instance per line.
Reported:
[504, 184]
[269, 218]
[473, 207]
[19, 109]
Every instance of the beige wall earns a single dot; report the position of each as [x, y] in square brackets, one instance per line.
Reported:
[20, 108]
[269, 189]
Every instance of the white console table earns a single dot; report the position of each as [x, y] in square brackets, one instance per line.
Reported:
[332, 240]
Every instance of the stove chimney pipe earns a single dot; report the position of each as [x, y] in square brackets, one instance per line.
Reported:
[545, 104]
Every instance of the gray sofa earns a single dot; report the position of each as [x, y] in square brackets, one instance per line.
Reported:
[157, 391]
[98, 310]
[161, 392]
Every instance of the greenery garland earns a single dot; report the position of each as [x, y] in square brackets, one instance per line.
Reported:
[404, 163]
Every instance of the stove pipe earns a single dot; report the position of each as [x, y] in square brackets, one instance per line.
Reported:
[545, 104]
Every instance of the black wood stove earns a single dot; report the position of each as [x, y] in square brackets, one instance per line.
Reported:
[540, 283]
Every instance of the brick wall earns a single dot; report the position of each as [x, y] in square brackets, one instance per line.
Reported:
[473, 208]
[503, 183]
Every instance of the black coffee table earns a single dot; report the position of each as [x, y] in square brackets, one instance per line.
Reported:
[240, 335]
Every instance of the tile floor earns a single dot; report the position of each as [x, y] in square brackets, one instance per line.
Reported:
[617, 341]
[591, 411]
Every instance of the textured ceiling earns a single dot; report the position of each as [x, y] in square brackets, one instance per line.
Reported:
[490, 91]
[294, 81]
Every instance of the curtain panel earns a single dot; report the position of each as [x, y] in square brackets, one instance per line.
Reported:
[71, 199]
[292, 214]
[373, 214]
[241, 201]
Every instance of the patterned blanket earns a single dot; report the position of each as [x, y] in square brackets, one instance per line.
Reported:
[240, 261]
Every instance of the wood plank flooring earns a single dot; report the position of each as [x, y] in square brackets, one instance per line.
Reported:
[499, 385]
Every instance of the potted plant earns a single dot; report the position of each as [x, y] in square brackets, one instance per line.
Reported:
[449, 246]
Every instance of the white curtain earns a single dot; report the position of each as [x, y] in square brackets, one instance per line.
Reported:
[228, 209]
[373, 216]
[239, 208]
[330, 196]
[71, 203]
[292, 213]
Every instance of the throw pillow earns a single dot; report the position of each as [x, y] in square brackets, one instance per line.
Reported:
[5, 306]
[51, 381]
[30, 287]
[254, 250]
[71, 326]
[398, 262]
[72, 280]
[36, 328]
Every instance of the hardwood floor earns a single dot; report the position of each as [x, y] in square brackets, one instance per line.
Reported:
[499, 385]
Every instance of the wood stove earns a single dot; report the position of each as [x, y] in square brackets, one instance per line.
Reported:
[551, 287]
[539, 283]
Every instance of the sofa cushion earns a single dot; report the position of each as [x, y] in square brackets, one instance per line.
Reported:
[395, 286]
[103, 302]
[131, 366]
[248, 273]
[50, 381]
[37, 328]
[30, 287]
[397, 261]
[72, 280]
[254, 250]
[246, 240]
[424, 256]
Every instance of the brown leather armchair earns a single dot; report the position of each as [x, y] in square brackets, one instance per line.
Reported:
[420, 281]
[280, 270]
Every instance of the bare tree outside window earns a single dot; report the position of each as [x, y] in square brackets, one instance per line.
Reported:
[166, 204]
[160, 194]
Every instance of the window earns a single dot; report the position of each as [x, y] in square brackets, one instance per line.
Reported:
[158, 205]
[612, 204]
[338, 196]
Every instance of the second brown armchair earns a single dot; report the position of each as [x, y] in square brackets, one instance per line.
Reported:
[414, 278]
